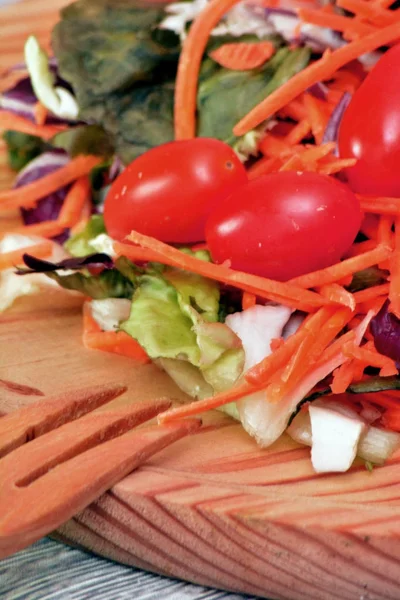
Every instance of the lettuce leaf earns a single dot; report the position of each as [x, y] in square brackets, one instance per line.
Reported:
[108, 284]
[78, 244]
[22, 148]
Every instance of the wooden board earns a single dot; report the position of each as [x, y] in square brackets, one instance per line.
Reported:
[213, 509]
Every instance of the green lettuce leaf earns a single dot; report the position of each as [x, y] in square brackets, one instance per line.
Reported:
[84, 139]
[78, 244]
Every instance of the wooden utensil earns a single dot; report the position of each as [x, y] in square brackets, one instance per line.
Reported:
[67, 464]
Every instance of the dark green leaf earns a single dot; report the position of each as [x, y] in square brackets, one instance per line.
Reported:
[22, 148]
[368, 278]
[78, 245]
[105, 46]
[84, 139]
[109, 284]
[225, 97]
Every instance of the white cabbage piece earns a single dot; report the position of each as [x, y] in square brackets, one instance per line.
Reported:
[57, 100]
[110, 312]
[13, 286]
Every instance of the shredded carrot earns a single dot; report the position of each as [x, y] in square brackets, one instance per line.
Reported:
[315, 153]
[371, 293]
[46, 229]
[276, 343]
[40, 112]
[343, 377]
[294, 163]
[337, 165]
[28, 195]
[368, 10]
[83, 218]
[360, 248]
[117, 342]
[369, 355]
[394, 288]
[385, 235]
[334, 21]
[189, 66]
[264, 166]
[248, 300]
[316, 116]
[380, 206]
[298, 133]
[348, 266]
[243, 56]
[187, 410]
[8, 260]
[338, 295]
[275, 147]
[278, 359]
[320, 70]
[9, 120]
[74, 202]
[260, 286]
[294, 110]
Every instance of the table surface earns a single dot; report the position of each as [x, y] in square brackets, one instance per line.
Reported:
[51, 571]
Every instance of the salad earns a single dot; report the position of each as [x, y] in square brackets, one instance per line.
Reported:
[219, 180]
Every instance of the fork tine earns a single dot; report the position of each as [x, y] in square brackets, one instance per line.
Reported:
[32, 421]
[42, 506]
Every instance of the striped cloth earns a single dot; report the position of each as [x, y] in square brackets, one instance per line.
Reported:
[50, 571]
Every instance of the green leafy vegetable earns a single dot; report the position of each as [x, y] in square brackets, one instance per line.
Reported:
[108, 284]
[78, 245]
[84, 139]
[22, 148]
[226, 96]
[367, 278]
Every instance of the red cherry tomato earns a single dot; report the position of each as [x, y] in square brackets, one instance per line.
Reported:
[284, 224]
[370, 130]
[169, 191]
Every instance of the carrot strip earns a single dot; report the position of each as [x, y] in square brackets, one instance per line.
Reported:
[243, 56]
[294, 110]
[380, 206]
[248, 300]
[74, 202]
[394, 287]
[320, 70]
[334, 21]
[385, 235]
[275, 147]
[9, 120]
[368, 10]
[371, 357]
[342, 377]
[298, 133]
[317, 118]
[117, 342]
[46, 229]
[187, 410]
[294, 163]
[346, 267]
[40, 113]
[84, 217]
[338, 295]
[278, 359]
[316, 153]
[28, 195]
[8, 260]
[360, 248]
[260, 286]
[371, 293]
[189, 66]
[264, 166]
[337, 165]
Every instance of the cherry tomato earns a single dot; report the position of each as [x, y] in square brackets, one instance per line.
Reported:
[370, 130]
[169, 191]
[284, 224]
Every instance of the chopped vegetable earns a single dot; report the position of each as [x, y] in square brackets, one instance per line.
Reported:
[243, 56]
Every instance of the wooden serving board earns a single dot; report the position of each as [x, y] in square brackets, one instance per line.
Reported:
[213, 509]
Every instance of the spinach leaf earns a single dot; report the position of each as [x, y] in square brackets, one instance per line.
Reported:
[22, 148]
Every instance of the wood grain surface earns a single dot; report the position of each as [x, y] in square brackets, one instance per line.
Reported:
[213, 509]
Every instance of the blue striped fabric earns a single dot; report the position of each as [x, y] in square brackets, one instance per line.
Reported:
[50, 571]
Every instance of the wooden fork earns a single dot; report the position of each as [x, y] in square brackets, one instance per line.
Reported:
[65, 465]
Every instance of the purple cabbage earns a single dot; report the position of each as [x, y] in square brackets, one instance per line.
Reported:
[332, 128]
[21, 98]
[98, 260]
[385, 327]
[48, 208]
